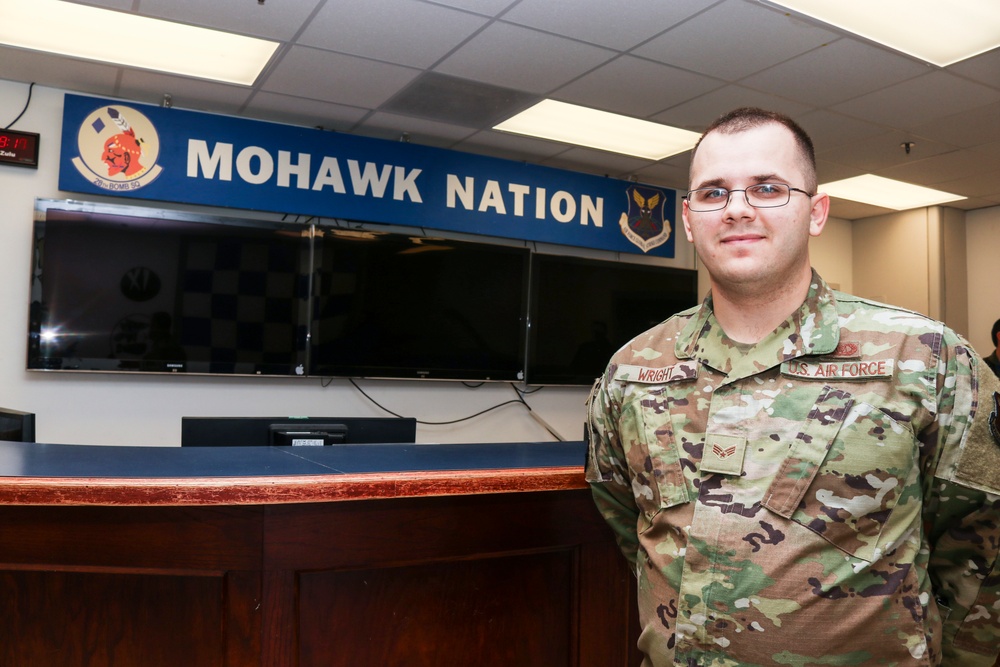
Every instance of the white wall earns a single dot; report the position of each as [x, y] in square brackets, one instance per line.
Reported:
[88, 408]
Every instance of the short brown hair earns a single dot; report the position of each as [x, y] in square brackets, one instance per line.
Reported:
[748, 118]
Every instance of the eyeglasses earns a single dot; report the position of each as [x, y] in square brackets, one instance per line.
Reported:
[762, 195]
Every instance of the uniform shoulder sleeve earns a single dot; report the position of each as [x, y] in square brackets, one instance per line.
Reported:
[978, 464]
[963, 512]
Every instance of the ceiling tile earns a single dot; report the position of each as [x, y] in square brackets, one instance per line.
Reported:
[333, 77]
[58, 71]
[602, 163]
[967, 128]
[852, 210]
[920, 100]
[967, 163]
[634, 87]
[945, 167]
[613, 25]
[697, 114]
[827, 172]
[405, 32]
[450, 99]
[186, 93]
[484, 7]
[818, 77]
[417, 130]
[972, 203]
[982, 184]
[510, 146]
[829, 130]
[275, 19]
[735, 39]
[304, 112]
[516, 57]
[664, 175]
[984, 68]
[881, 152]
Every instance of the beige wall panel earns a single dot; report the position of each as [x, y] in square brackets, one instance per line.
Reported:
[890, 259]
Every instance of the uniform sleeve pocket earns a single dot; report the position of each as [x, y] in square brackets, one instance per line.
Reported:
[654, 461]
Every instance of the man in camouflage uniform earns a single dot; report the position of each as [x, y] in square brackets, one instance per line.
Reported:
[797, 476]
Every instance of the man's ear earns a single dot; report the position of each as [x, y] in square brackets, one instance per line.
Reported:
[819, 213]
[684, 216]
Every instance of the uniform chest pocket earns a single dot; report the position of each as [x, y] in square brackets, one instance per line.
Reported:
[655, 462]
[845, 474]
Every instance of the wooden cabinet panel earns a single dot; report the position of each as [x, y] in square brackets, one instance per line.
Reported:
[493, 612]
[100, 619]
[498, 579]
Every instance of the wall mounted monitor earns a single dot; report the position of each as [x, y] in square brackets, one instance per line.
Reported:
[133, 289]
[398, 306]
[295, 431]
[17, 426]
[583, 310]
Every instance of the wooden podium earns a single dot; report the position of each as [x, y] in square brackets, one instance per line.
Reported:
[370, 555]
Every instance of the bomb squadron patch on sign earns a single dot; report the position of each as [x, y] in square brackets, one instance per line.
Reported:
[118, 147]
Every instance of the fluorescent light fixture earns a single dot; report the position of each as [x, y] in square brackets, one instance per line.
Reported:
[941, 33]
[578, 125]
[114, 37]
[887, 193]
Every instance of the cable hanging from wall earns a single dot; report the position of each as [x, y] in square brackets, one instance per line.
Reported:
[26, 104]
[519, 400]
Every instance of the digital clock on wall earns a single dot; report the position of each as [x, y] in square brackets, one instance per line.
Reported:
[19, 148]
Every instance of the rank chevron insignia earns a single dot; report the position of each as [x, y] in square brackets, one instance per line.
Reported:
[723, 453]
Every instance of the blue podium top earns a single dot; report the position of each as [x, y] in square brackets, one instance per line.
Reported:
[116, 462]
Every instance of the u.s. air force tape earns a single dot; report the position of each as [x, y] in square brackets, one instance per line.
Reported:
[837, 369]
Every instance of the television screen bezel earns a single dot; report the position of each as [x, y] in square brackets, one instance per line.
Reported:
[415, 371]
[37, 362]
[573, 378]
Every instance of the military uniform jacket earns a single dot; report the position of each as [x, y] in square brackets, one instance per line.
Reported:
[827, 497]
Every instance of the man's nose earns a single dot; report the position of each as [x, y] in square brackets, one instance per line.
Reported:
[738, 206]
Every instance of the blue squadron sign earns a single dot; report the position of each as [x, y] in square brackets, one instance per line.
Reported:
[168, 154]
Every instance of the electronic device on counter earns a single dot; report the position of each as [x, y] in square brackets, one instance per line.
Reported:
[295, 431]
[17, 426]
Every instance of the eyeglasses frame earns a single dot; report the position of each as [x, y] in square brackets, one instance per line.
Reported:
[729, 198]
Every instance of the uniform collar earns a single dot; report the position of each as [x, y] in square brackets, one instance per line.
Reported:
[814, 328]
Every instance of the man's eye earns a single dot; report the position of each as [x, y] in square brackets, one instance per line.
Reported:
[712, 194]
[767, 189]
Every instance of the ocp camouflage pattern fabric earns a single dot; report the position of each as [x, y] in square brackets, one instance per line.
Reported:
[828, 496]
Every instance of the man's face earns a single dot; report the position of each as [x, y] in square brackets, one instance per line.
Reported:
[745, 248]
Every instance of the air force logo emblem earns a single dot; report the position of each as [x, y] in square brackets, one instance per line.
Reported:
[643, 223]
[118, 149]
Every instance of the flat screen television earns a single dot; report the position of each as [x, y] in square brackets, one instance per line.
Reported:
[133, 289]
[392, 305]
[295, 431]
[582, 310]
[17, 426]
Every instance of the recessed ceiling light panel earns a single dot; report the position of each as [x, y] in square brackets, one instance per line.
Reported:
[941, 33]
[127, 39]
[887, 193]
[605, 131]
